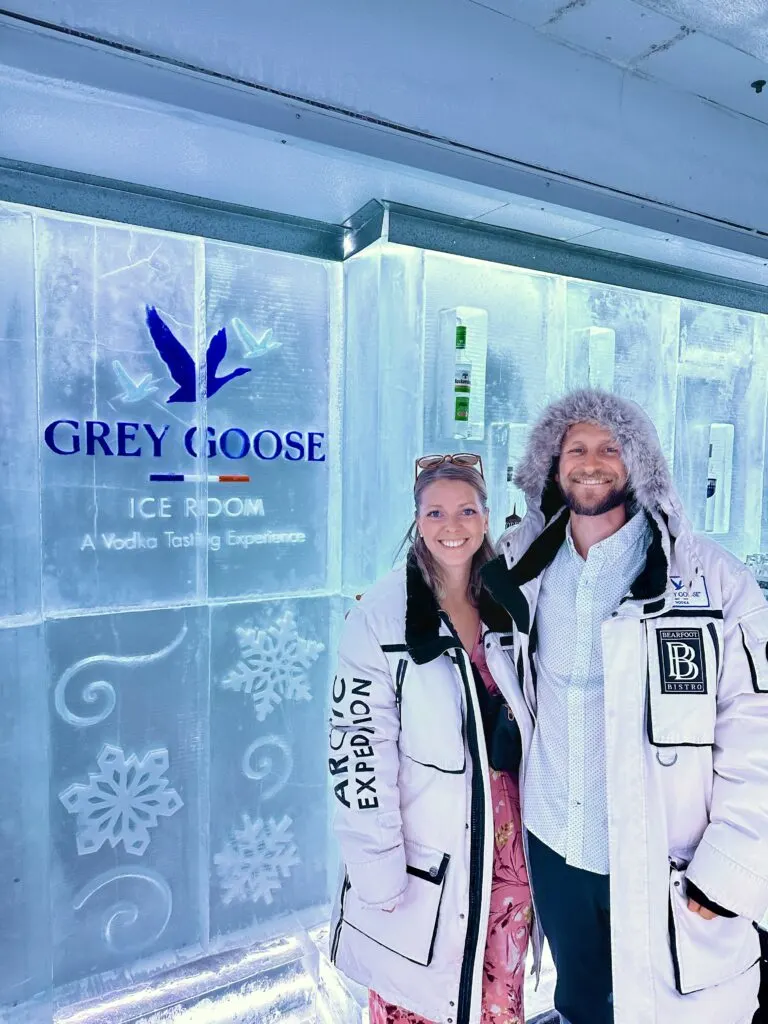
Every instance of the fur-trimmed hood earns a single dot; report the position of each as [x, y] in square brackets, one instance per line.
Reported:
[649, 476]
[641, 451]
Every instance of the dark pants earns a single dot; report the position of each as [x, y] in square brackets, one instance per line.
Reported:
[575, 913]
[761, 1017]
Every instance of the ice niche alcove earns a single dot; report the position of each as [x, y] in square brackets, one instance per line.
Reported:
[207, 452]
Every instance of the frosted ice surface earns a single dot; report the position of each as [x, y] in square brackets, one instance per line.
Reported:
[129, 763]
[110, 537]
[722, 382]
[627, 342]
[275, 310]
[25, 944]
[383, 407]
[269, 670]
[19, 503]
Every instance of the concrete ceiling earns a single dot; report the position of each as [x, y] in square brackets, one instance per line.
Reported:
[715, 49]
[697, 46]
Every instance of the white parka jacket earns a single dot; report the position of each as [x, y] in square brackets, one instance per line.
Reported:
[686, 720]
[409, 770]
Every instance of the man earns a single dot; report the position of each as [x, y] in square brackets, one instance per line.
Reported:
[642, 656]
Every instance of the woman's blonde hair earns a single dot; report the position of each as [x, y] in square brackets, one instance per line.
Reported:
[418, 550]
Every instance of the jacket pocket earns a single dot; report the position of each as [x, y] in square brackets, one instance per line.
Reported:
[754, 635]
[431, 716]
[706, 953]
[684, 657]
[411, 928]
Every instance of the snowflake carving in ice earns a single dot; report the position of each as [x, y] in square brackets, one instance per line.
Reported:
[273, 664]
[255, 859]
[123, 802]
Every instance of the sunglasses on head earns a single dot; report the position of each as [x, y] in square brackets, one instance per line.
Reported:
[469, 459]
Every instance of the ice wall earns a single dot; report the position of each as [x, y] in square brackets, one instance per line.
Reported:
[165, 635]
[167, 638]
[701, 372]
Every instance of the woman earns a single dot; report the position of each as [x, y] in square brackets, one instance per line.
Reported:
[433, 914]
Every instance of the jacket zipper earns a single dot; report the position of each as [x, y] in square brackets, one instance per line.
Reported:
[535, 937]
[673, 942]
[337, 933]
[535, 928]
[476, 840]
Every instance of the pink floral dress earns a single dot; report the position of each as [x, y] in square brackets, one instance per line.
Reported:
[509, 923]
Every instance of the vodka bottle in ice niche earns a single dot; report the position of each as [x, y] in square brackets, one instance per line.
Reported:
[462, 384]
[719, 471]
[463, 334]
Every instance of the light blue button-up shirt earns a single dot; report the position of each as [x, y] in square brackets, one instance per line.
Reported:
[565, 790]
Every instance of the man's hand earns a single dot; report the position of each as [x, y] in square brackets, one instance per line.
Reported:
[696, 908]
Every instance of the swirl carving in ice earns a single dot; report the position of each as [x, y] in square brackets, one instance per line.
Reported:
[101, 689]
[119, 919]
[265, 764]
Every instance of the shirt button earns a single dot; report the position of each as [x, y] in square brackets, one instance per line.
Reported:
[433, 871]
[462, 916]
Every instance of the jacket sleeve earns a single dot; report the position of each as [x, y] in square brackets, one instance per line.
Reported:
[731, 862]
[363, 764]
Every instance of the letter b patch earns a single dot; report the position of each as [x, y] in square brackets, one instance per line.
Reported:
[681, 661]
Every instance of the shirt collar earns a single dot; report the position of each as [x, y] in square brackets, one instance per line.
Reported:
[618, 544]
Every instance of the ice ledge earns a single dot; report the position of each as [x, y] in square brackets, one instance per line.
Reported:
[288, 980]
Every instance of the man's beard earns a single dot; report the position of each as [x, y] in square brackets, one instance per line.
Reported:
[615, 497]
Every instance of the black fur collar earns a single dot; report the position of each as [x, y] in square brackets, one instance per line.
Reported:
[423, 618]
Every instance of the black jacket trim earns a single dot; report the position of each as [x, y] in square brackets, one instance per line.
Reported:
[692, 613]
[541, 552]
[423, 640]
[750, 661]
[504, 584]
[428, 876]
[652, 581]
[715, 643]
[496, 577]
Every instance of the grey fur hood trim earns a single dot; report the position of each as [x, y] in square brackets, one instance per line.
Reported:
[649, 475]
[641, 451]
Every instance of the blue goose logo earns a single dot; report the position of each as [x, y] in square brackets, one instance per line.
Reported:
[182, 366]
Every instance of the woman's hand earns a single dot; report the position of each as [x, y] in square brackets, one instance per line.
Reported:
[696, 908]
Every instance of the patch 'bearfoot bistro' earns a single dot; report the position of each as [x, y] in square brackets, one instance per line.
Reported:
[681, 661]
